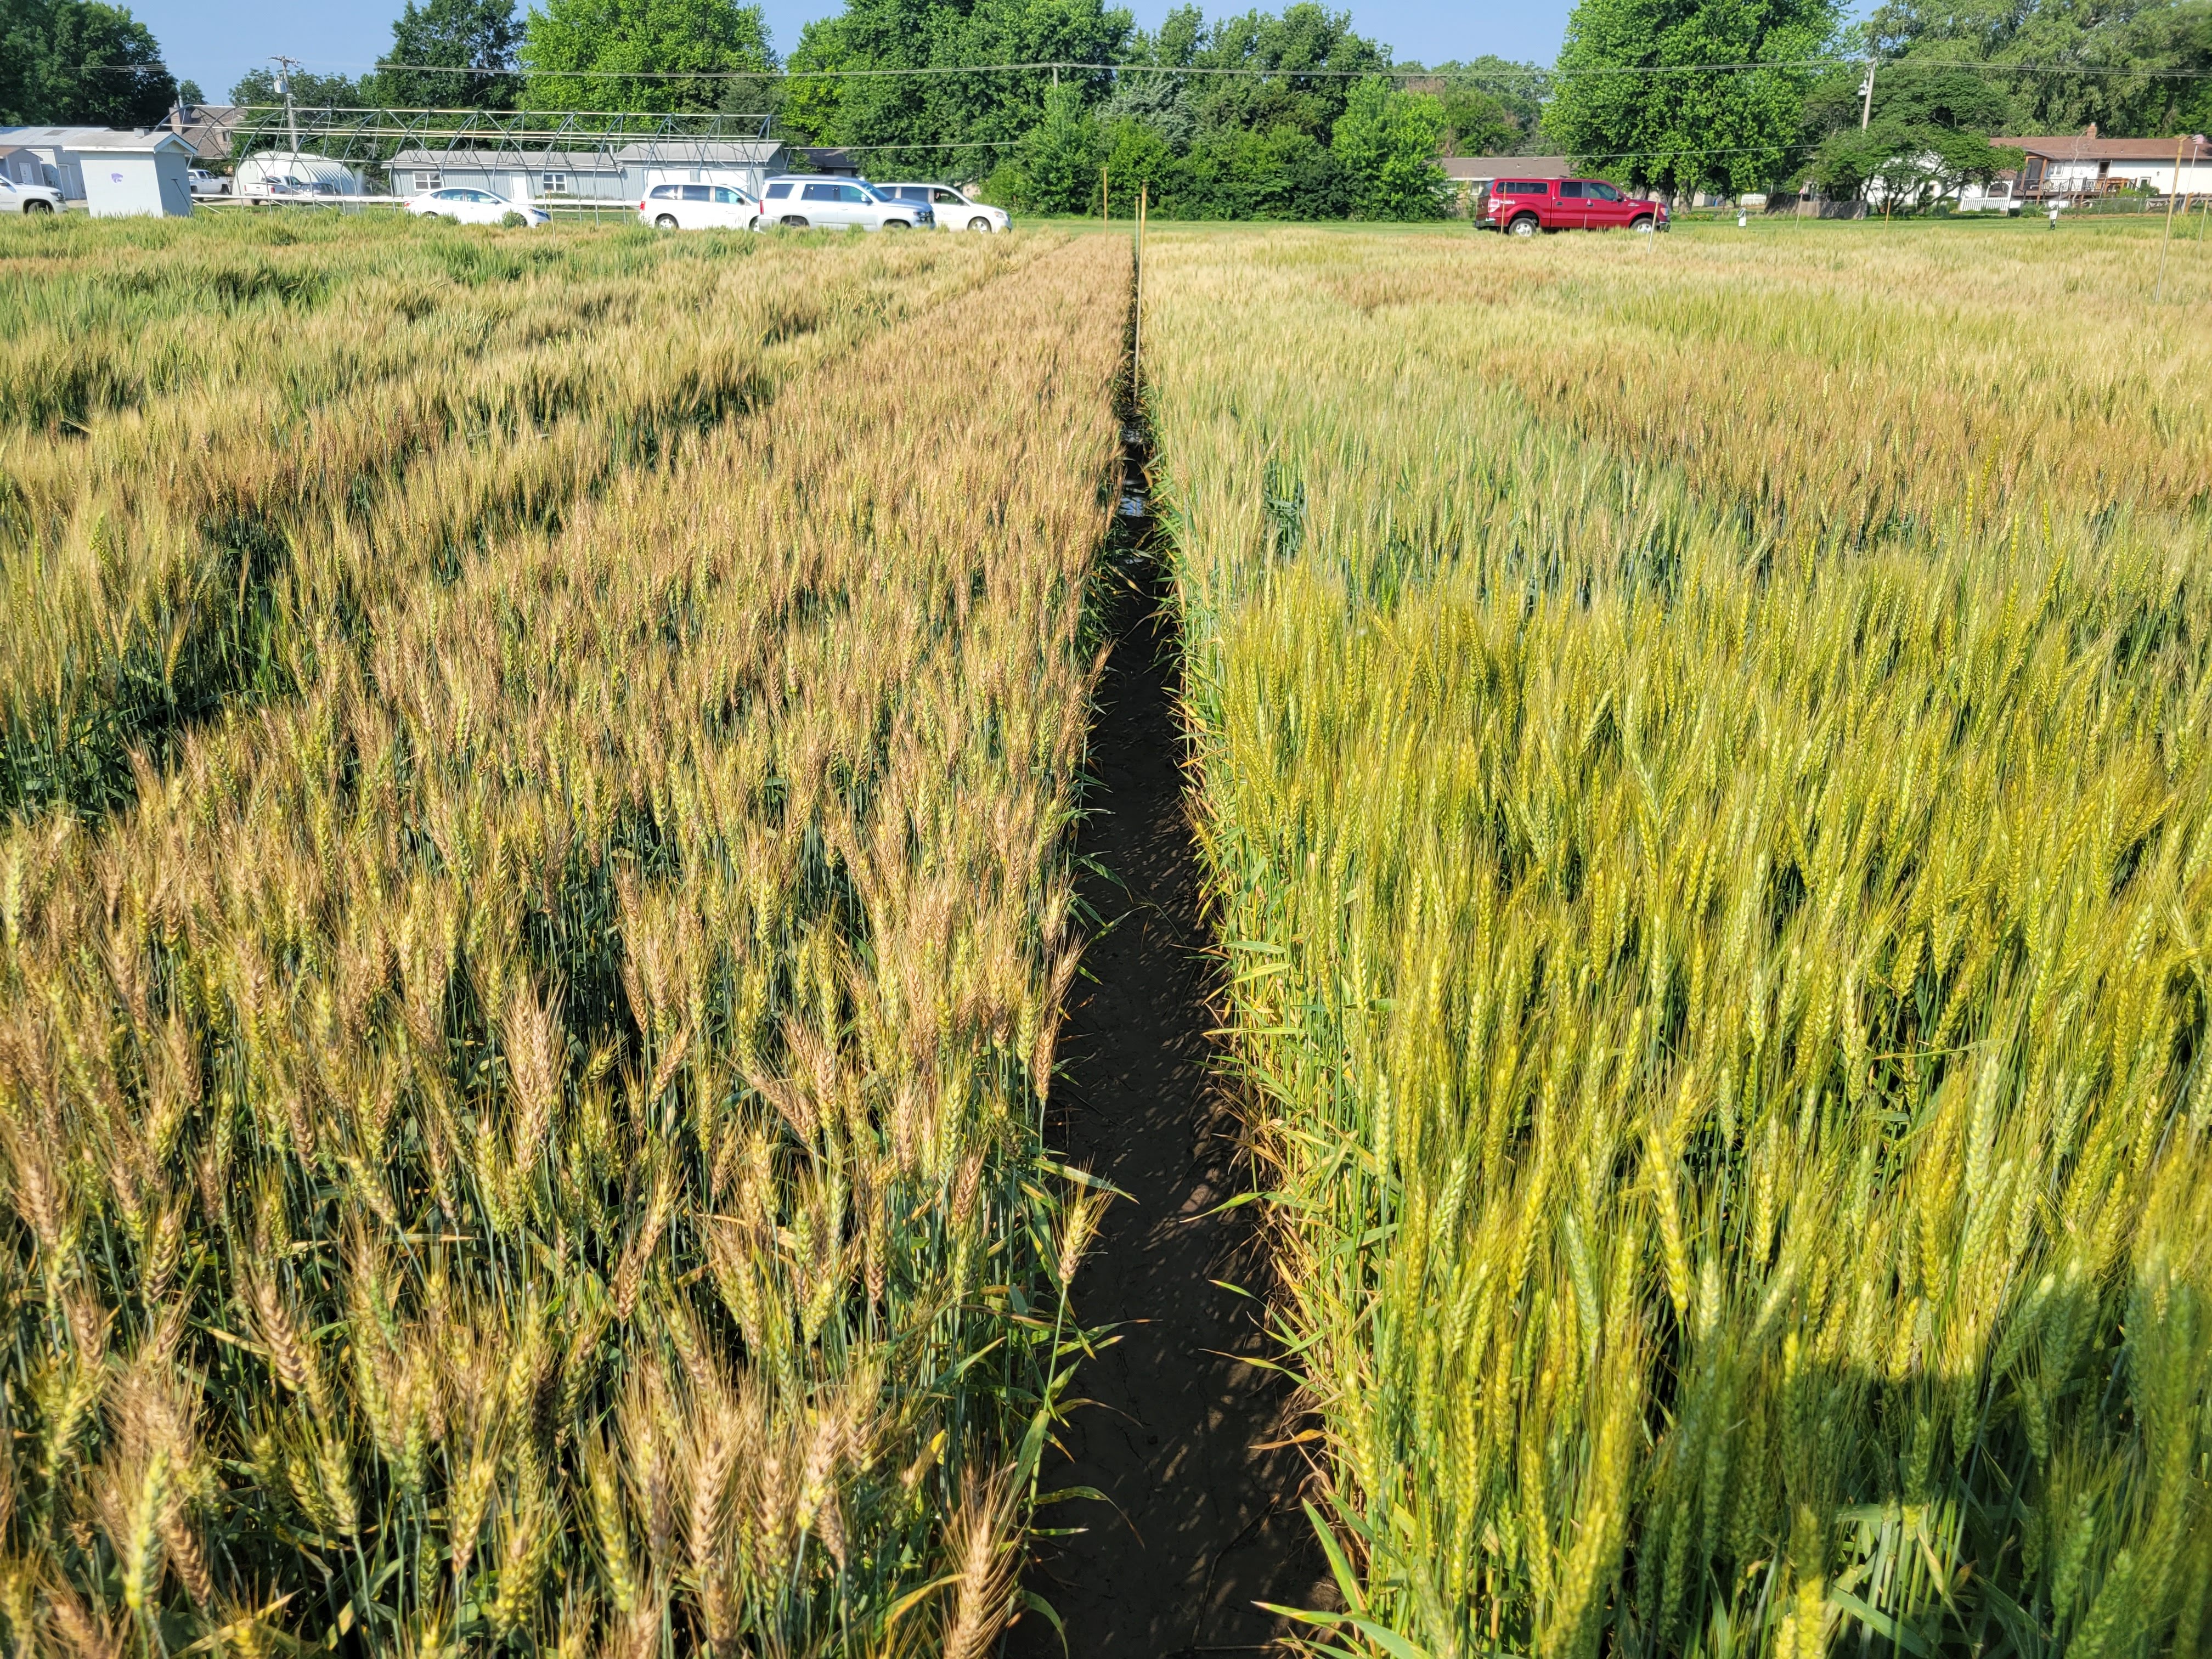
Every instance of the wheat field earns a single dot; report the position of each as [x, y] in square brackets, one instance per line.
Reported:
[529, 981]
[1701, 757]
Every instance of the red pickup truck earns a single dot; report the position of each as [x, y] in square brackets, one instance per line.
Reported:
[1521, 207]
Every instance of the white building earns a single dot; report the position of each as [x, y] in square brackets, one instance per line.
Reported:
[133, 175]
[55, 148]
[2082, 164]
[295, 171]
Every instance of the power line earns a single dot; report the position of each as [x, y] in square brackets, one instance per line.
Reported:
[1394, 73]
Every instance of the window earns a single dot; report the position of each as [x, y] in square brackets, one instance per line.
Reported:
[949, 197]
[776, 192]
[1573, 187]
[822, 192]
[723, 193]
[1523, 187]
[425, 181]
[698, 192]
[853, 194]
[666, 192]
[1604, 192]
[553, 183]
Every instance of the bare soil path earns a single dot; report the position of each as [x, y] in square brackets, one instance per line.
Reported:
[1203, 1523]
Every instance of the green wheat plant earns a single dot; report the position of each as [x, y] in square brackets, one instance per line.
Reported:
[1718, 969]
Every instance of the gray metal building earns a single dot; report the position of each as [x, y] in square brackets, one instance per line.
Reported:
[609, 174]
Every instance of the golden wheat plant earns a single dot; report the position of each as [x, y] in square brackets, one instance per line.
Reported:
[531, 1142]
[1723, 979]
[221, 447]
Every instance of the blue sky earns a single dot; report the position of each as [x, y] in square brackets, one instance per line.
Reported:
[214, 44]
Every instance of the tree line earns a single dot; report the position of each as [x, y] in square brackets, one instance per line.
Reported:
[1263, 115]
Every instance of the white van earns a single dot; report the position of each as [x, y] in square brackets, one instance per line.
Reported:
[699, 207]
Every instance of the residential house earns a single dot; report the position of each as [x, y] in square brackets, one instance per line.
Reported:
[2074, 165]
[208, 128]
[1471, 175]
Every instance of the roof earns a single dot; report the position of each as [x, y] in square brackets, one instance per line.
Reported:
[64, 137]
[134, 143]
[207, 127]
[1506, 167]
[699, 152]
[551, 161]
[2087, 147]
[666, 152]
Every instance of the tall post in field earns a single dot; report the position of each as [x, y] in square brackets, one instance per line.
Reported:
[1866, 97]
[1105, 196]
[2172, 196]
[1137, 332]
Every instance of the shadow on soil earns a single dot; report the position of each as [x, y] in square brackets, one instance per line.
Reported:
[1202, 1523]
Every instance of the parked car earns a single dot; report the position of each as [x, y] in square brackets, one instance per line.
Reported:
[1521, 207]
[204, 182]
[28, 198]
[801, 203]
[699, 207]
[953, 208]
[473, 207]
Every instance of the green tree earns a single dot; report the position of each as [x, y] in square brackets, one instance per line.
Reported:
[1385, 142]
[188, 93]
[809, 105]
[1491, 105]
[904, 120]
[1151, 89]
[2172, 44]
[471, 42]
[309, 91]
[1055, 168]
[1274, 173]
[79, 63]
[1302, 57]
[2130, 66]
[1930, 133]
[1137, 154]
[1475, 122]
[1629, 103]
[640, 54]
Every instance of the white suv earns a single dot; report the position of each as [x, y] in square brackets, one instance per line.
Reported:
[814, 202]
[699, 207]
[28, 198]
[953, 210]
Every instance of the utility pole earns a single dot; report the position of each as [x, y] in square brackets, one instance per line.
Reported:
[2173, 195]
[1866, 97]
[284, 68]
